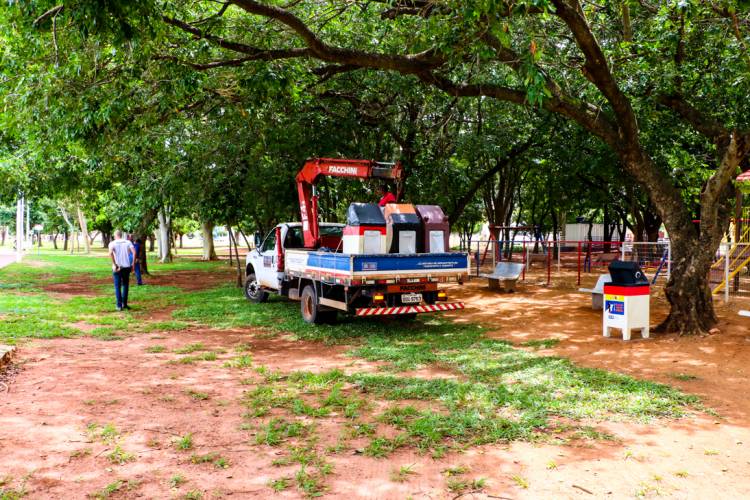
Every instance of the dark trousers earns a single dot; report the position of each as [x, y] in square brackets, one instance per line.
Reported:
[137, 271]
[122, 284]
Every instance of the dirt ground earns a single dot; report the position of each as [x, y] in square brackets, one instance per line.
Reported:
[64, 385]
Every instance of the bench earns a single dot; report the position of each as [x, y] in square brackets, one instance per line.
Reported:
[606, 258]
[597, 293]
[505, 276]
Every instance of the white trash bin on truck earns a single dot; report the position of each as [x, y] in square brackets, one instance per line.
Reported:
[626, 300]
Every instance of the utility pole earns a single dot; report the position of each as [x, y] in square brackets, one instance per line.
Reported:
[19, 228]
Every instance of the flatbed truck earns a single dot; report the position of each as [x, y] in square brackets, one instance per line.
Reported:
[302, 261]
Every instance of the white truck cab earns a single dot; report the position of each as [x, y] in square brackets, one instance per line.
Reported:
[262, 268]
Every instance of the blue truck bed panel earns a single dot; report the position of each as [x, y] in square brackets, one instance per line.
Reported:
[338, 265]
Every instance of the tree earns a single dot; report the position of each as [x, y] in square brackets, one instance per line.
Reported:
[618, 77]
[533, 70]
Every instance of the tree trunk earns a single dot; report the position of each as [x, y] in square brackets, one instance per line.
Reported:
[207, 230]
[65, 241]
[165, 238]
[181, 235]
[84, 228]
[54, 239]
[233, 241]
[688, 290]
[151, 242]
[231, 256]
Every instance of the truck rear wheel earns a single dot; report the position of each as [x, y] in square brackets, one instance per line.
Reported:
[311, 310]
[253, 291]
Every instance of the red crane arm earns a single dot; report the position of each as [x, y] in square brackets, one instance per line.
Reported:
[316, 168]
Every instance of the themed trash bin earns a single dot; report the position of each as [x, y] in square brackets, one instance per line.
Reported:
[403, 229]
[364, 232]
[436, 228]
[626, 300]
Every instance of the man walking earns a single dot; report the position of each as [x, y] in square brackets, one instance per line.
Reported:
[121, 251]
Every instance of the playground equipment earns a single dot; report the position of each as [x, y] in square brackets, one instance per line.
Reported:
[505, 276]
[626, 300]
[737, 256]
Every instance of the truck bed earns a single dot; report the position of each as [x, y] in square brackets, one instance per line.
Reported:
[349, 269]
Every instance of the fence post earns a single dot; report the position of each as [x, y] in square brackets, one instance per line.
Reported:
[726, 273]
[622, 249]
[558, 247]
[525, 262]
[579, 263]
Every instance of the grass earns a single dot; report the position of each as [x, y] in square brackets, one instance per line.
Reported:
[500, 392]
[520, 481]
[190, 348]
[541, 343]
[197, 395]
[109, 490]
[177, 480]
[401, 474]
[8, 492]
[184, 442]
[244, 361]
[279, 485]
[683, 377]
[120, 456]
[214, 458]
[29, 312]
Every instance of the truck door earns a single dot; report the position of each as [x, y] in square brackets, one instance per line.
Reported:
[266, 271]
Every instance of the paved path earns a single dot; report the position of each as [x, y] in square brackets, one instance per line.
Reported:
[6, 258]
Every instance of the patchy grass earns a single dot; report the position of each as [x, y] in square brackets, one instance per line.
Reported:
[541, 343]
[683, 377]
[185, 442]
[402, 473]
[190, 348]
[177, 480]
[213, 458]
[109, 490]
[500, 393]
[120, 456]
[197, 395]
[29, 312]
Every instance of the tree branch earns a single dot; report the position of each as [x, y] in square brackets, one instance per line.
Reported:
[51, 12]
[408, 64]
[701, 122]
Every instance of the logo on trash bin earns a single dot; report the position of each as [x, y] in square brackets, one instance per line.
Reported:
[615, 307]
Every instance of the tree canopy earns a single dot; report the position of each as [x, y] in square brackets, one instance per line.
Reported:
[527, 112]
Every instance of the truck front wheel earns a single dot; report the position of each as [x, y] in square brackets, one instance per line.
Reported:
[311, 311]
[253, 291]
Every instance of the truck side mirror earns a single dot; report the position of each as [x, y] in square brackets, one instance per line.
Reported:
[257, 239]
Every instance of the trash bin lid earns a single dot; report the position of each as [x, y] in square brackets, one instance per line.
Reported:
[625, 273]
[364, 214]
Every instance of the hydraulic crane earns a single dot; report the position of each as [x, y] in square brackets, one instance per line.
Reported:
[314, 169]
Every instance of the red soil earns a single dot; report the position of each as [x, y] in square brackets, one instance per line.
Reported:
[66, 384]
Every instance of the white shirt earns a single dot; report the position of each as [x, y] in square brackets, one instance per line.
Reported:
[121, 249]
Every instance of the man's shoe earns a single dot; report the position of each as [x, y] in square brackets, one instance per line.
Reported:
[119, 308]
[126, 307]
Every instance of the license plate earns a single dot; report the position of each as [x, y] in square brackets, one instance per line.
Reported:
[411, 298]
